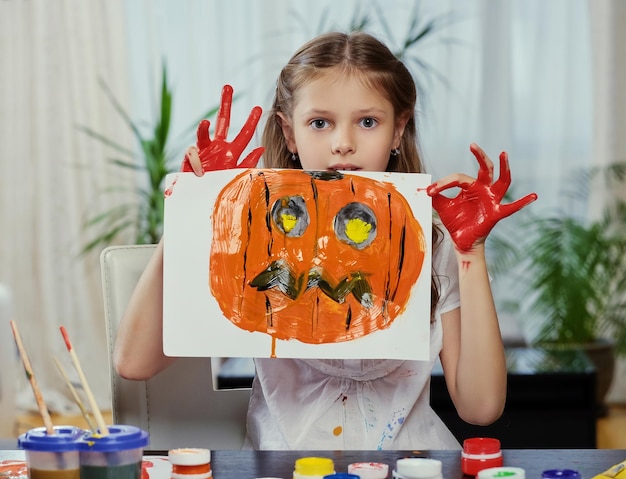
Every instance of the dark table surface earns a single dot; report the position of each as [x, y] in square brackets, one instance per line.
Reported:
[253, 464]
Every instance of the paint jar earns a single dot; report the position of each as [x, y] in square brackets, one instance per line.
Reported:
[313, 468]
[369, 470]
[480, 453]
[560, 474]
[418, 468]
[190, 463]
[117, 455]
[52, 456]
[502, 473]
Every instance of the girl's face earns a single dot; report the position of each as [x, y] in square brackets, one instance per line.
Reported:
[339, 123]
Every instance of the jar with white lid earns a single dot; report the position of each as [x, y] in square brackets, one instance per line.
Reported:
[190, 463]
[369, 470]
[418, 468]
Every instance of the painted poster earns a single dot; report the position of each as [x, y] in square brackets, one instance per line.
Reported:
[290, 263]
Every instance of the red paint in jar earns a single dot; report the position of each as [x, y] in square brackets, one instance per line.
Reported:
[480, 453]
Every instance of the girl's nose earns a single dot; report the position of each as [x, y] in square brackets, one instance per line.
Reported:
[343, 142]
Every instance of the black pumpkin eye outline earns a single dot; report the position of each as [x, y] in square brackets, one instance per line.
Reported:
[355, 224]
[290, 215]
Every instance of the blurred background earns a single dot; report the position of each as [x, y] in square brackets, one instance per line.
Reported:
[82, 81]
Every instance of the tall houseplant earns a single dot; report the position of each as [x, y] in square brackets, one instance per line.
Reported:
[420, 29]
[574, 279]
[153, 161]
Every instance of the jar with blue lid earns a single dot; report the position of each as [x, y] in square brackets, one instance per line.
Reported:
[560, 474]
[116, 455]
[52, 454]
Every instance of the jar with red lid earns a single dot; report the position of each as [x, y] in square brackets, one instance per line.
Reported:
[480, 453]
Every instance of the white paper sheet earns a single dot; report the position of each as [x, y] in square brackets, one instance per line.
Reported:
[206, 313]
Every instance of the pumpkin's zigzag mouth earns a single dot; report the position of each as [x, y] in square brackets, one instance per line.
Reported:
[279, 275]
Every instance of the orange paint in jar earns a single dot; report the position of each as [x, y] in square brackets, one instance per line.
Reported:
[188, 463]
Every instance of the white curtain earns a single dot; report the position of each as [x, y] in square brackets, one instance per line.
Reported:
[52, 54]
[520, 81]
[518, 73]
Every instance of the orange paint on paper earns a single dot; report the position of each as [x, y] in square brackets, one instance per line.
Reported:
[321, 257]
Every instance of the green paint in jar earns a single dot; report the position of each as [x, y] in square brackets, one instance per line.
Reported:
[127, 471]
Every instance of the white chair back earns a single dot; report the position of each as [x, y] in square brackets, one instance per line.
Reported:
[179, 406]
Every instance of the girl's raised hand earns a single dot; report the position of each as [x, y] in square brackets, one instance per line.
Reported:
[219, 154]
[470, 216]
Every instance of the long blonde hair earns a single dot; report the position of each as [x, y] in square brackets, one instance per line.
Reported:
[361, 55]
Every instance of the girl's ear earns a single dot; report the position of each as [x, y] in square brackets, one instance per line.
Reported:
[287, 128]
[401, 122]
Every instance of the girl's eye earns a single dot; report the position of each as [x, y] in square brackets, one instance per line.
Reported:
[319, 124]
[368, 122]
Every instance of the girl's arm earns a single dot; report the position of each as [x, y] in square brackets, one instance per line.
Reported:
[472, 356]
[138, 352]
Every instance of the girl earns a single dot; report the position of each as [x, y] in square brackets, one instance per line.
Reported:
[344, 102]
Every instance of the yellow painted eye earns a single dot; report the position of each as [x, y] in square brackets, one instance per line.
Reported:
[288, 222]
[355, 224]
[358, 230]
[290, 215]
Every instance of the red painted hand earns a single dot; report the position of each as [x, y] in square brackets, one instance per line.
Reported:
[470, 216]
[219, 154]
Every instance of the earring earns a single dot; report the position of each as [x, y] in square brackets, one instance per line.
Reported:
[294, 156]
[395, 152]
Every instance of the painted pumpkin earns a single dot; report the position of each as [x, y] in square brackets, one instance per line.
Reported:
[321, 257]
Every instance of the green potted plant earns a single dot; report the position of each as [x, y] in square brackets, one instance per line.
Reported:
[153, 160]
[420, 28]
[573, 279]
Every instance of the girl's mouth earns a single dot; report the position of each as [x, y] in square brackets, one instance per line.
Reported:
[346, 167]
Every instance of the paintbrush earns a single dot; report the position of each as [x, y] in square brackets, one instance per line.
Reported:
[102, 427]
[77, 399]
[41, 405]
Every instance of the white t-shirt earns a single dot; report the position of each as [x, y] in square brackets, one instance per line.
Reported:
[354, 404]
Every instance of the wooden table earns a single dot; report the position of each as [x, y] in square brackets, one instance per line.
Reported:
[253, 464]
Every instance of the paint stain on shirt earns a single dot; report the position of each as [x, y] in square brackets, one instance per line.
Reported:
[392, 429]
[337, 431]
